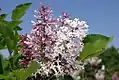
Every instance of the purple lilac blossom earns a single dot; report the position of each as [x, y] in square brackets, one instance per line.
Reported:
[55, 43]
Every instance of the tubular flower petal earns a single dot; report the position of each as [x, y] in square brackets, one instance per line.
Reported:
[55, 43]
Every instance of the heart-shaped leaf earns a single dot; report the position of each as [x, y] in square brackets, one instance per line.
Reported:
[94, 45]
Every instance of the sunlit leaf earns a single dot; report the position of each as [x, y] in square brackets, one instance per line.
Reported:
[94, 45]
[19, 11]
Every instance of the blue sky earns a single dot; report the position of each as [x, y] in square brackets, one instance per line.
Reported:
[102, 15]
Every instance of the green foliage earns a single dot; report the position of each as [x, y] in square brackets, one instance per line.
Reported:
[19, 11]
[2, 77]
[94, 45]
[6, 66]
[14, 61]
[110, 58]
[2, 42]
[9, 64]
[1, 64]
[24, 74]
[8, 29]
[12, 24]
[2, 17]
[9, 38]
[21, 74]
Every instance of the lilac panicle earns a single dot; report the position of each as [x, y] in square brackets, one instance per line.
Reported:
[41, 39]
[54, 43]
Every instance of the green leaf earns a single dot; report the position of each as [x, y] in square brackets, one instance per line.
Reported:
[18, 28]
[2, 77]
[96, 54]
[10, 76]
[2, 47]
[32, 68]
[6, 31]
[10, 45]
[19, 74]
[14, 61]
[24, 74]
[1, 64]
[12, 24]
[7, 67]
[2, 17]
[19, 11]
[91, 38]
[2, 42]
[94, 45]
[8, 37]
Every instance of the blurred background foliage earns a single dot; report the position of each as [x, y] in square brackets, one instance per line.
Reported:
[110, 59]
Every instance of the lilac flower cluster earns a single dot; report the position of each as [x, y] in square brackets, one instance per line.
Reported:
[55, 43]
[41, 39]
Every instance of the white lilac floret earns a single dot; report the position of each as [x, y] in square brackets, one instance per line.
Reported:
[55, 43]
